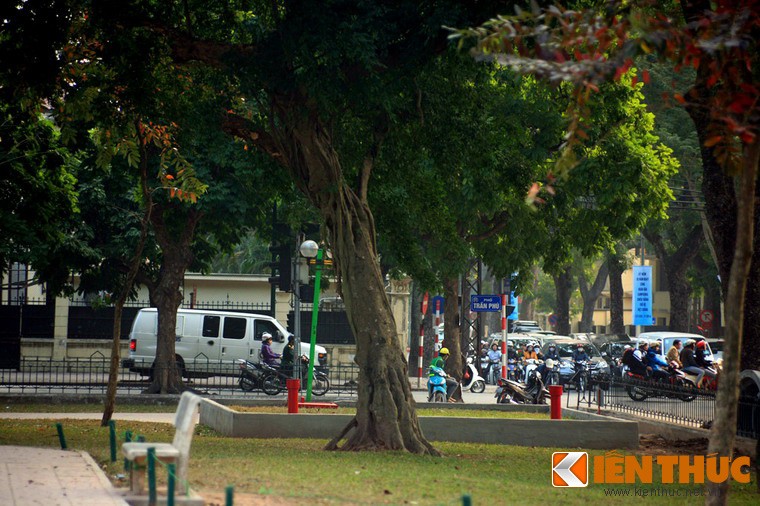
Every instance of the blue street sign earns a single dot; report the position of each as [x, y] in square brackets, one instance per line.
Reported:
[485, 303]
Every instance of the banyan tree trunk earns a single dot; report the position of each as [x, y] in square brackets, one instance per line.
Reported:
[385, 413]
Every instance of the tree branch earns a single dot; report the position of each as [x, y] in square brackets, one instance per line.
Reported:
[239, 127]
[185, 48]
[496, 224]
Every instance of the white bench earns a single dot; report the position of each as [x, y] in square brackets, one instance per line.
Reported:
[177, 452]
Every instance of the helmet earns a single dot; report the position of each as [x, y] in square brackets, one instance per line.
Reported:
[643, 344]
[549, 363]
[265, 336]
[689, 342]
[510, 343]
[701, 345]
[627, 347]
[444, 351]
[654, 344]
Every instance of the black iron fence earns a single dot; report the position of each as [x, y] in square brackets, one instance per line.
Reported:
[662, 401]
[90, 376]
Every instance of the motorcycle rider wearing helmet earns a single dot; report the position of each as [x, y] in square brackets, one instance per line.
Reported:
[268, 356]
[579, 356]
[689, 362]
[529, 354]
[658, 364]
[639, 363]
[700, 356]
[494, 358]
[550, 355]
[440, 362]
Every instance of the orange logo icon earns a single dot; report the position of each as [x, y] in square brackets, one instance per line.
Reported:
[570, 469]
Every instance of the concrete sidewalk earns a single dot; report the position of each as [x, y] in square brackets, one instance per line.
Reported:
[48, 477]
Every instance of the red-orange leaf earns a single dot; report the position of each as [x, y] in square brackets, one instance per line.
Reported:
[712, 141]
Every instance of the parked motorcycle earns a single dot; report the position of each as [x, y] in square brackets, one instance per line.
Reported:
[251, 375]
[676, 385]
[472, 380]
[512, 392]
[274, 380]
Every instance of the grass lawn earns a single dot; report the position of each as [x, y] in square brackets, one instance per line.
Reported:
[297, 471]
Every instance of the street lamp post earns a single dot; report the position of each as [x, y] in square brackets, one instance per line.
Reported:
[307, 249]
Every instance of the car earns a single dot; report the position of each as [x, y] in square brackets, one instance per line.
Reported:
[666, 339]
[611, 346]
[716, 345]
[525, 326]
[565, 347]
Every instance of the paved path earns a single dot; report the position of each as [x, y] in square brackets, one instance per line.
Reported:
[47, 477]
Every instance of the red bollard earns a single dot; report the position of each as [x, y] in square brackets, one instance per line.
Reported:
[555, 393]
[294, 385]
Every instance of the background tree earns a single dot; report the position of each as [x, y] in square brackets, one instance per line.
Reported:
[590, 294]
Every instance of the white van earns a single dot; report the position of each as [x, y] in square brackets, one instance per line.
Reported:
[208, 342]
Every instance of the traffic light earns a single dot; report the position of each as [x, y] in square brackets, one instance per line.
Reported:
[282, 258]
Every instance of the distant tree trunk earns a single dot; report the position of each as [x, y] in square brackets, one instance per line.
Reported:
[563, 286]
[452, 331]
[176, 257]
[712, 297]
[617, 265]
[385, 411]
[121, 298]
[676, 265]
[590, 296]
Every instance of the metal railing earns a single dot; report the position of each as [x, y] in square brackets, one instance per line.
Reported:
[90, 375]
[662, 401]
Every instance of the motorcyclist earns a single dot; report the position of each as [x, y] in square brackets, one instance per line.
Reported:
[658, 364]
[494, 359]
[529, 354]
[551, 355]
[288, 357]
[674, 353]
[440, 362]
[268, 356]
[579, 356]
[700, 356]
[639, 363]
[690, 363]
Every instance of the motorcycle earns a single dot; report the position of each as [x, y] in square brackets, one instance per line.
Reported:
[437, 385]
[676, 385]
[530, 365]
[512, 392]
[251, 375]
[494, 370]
[274, 380]
[708, 383]
[513, 370]
[552, 372]
[472, 380]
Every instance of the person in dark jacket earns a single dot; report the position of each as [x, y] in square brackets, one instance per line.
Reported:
[700, 357]
[690, 363]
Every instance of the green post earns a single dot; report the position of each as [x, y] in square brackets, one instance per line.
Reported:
[61, 437]
[228, 492]
[112, 438]
[170, 485]
[152, 476]
[466, 500]
[314, 317]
